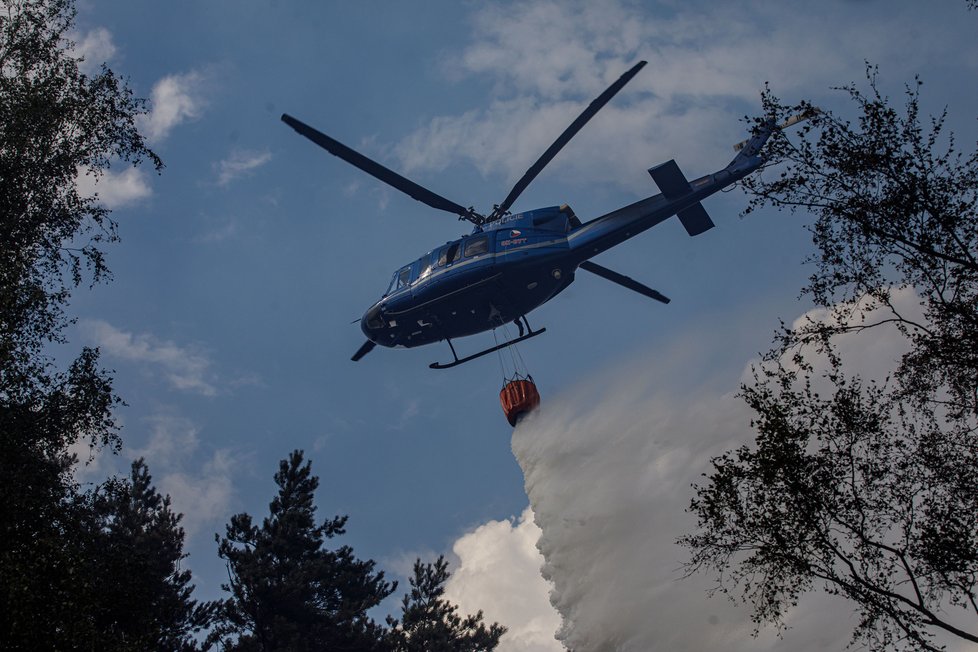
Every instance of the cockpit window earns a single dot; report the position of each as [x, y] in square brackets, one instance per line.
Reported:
[404, 277]
[401, 279]
[476, 246]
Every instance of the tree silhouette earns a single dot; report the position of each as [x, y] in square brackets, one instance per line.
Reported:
[429, 623]
[54, 121]
[288, 590]
[141, 596]
[865, 487]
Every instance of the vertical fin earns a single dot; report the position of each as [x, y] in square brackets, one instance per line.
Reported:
[673, 184]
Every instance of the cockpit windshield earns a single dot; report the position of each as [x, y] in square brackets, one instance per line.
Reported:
[401, 279]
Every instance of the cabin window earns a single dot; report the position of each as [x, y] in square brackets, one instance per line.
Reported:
[476, 246]
[427, 262]
[449, 254]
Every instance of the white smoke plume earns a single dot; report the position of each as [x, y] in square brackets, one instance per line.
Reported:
[608, 468]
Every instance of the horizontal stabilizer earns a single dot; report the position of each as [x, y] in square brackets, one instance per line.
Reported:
[623, 281]
[695, 219]
[670, 179]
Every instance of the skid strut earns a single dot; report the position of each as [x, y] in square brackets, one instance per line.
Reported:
[521, 337]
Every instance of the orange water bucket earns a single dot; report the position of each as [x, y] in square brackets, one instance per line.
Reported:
[519, 397]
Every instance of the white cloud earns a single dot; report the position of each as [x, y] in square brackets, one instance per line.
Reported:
[874, 354]
[95, 48]
[184, 368]
[410, 410]
[203, 497]
[219, 234]
[547, 60]
[200, 483]
[202, 492]
[499, 573]
[93, 464]
[172, 439]
[114, 189]
[239, 163]
[401, 564]
[173, 100]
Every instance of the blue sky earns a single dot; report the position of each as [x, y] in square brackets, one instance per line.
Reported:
[243, 265]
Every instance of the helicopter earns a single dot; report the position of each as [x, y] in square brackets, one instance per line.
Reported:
[511, 264]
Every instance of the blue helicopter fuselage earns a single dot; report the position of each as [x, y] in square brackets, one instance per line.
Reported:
[483, 280]
[508, 267]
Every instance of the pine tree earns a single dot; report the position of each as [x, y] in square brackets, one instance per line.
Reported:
[141, 595]
[288, 590]
[430, 623]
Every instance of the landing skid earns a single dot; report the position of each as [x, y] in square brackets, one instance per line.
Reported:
[458, 361]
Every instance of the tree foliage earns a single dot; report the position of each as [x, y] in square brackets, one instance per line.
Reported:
[288, 590]
[430, 623]
[102, 569]
[58, 123]
[98, 569]
[45, 521]
[104, 572]
[867, 487]
[894, 206]
[142, 596]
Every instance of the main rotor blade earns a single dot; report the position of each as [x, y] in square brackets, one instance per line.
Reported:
[367, 347]
[623, 280]
[564, 138]
[377, 170]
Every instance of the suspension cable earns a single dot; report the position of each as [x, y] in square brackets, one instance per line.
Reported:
[499, 356]
[516, 361]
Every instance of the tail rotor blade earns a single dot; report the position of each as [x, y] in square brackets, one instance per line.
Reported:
[564, 138]
[367, 347]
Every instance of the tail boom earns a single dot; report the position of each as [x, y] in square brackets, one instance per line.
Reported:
[679, 197]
